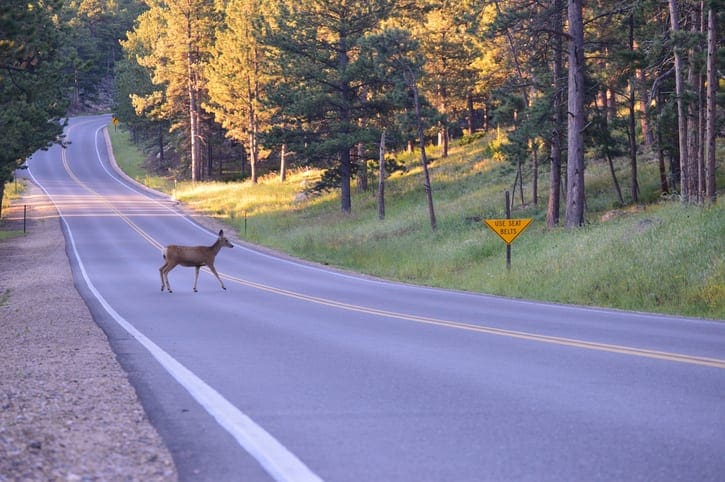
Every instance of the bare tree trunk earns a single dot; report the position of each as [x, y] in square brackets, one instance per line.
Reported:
[632, 122]
[252, 158]
[535, 172]
[575, 128]
[192, 82]
[381, 178]
[362, 170]
[162, 155]
[680, 94]
[693, 107]
[552, 211]
[345, 195]
[194, 133]
[423, 158]
[644, 124]
[710, 191]
[443, 140]
[521, 184]
[632, 130]
[614, 178]
[283, 163]
[661, 162]
[470, 116]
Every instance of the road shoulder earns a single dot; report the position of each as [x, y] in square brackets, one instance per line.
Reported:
[67, 409]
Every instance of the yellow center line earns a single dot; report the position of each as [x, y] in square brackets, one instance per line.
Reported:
[105, 201]
[625, 350]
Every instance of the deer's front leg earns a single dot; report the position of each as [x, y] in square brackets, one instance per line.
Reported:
[213, 270]
[196, 276]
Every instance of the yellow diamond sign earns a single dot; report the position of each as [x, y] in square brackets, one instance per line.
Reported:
[508, 229]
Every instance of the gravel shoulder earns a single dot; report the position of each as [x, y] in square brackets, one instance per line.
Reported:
[67, 409]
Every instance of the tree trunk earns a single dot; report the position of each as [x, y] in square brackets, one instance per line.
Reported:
[423, 158]
[362, 170]
[694, 80]
[710, 133]
[194, 134]
[2, 193]
[614, 178]
[345, 195]
[381, 178]
[162, 155]
[575, 125]
[470, 116]
[283, 163]
[647, 134]
[443, 132]
[346, 95]
[632, 123]
[632, 130]
[443, 140]
[535, 172]
[552, 210]
[680, 95]
[252, 158]
[661, 162]
[193, 109]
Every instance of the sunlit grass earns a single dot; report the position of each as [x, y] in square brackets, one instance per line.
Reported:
[131, 160]
[662, 257]
[13, 190]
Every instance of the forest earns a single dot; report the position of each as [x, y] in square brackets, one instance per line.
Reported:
[233, 89]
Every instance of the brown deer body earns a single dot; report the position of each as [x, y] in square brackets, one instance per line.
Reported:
[196, 256]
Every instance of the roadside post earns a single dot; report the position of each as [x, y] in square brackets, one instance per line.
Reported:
[508, 229]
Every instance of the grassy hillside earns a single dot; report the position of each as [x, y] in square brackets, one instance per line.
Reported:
[657, 257]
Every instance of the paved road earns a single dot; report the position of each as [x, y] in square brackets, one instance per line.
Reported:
[300, 373]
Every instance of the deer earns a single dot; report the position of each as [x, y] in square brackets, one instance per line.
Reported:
[196, 256]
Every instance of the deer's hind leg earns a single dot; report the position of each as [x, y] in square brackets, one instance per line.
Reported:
[161, 273]
[164, 270]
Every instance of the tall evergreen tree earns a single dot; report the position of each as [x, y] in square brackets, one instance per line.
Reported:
[446, 41]
[315, 46]
[33, 93]
[237, 79]
[173, 40]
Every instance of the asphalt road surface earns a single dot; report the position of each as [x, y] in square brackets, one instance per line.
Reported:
[297, 372]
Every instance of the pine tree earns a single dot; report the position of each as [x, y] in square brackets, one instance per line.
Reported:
[315, 48]
[173, 40]
[236, 78]
[33, 92]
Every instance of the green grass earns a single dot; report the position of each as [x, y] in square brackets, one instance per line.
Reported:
[13, 190]
[131, 160]
[662, 257]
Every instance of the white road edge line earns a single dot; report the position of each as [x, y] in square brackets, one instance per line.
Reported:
[276, 460]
